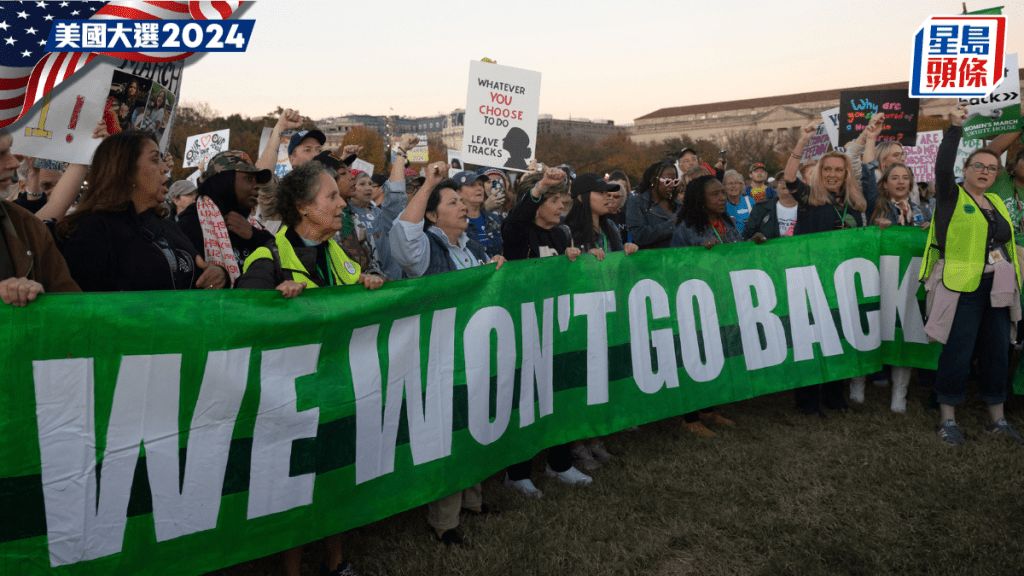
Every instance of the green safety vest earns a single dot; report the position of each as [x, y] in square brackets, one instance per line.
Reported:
[966, 250]
[345, 269]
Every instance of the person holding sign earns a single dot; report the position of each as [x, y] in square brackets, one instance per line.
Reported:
[118, 239]
[972, 273]
[650, 213]
[832, 200]
[533, 230]
[303, 255]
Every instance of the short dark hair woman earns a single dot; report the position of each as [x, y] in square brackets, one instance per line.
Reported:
[429, 237]
[118, 239]
[303, 254]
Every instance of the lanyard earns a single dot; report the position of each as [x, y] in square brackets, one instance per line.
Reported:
[715, 230]
[459, 263]
[604, 241]
[842, 217]
[329, 276]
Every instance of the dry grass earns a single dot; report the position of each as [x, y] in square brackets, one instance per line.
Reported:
[866, 493]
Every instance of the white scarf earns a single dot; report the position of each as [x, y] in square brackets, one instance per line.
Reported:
[217, 243]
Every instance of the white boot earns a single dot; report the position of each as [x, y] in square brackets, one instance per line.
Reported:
[857, 389]
[900, 383]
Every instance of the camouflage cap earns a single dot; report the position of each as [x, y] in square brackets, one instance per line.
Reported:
[235, 160]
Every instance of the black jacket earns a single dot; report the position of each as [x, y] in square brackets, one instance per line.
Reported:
[125, 251]
[764, 219]
[523, 239]
[267, 274]
[221, 189]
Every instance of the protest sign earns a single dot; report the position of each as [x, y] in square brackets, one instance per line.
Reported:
[194, 177]
[420, 152]
[123, 94]
[360, 164]
[831, 120]
[921, 158]
[817, 145]
[455, 160]
[201, 147]
[999, 112]
[264, 139]
[284, 165]
[283, 420]
[964, 150]
[502, 106]
[856, 107]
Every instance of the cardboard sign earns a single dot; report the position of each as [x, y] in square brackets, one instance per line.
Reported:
[921, 158]
[999, 112]
[363, 165]
[125, 95]
[502, 106]
[831, 122]
[856, 107]
[264, 140]
[201, 147]
[194, 177]
[817, 146]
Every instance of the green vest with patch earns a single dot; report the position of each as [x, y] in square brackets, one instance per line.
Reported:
[343, 268]
[966, 250]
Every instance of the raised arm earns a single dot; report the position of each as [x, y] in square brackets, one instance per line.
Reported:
[793, 164]
[405, 143]
[1000, 143]
[289, 120]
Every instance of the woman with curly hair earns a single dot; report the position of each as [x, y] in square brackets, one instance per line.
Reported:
[650, 213]
[703, 221]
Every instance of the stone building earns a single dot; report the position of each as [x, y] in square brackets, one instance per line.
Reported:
[578, 128]
[774, 116]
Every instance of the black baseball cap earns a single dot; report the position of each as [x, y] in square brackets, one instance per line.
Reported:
[590, 182]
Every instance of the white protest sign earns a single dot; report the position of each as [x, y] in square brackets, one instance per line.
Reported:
[194, 177]
[125, 96]
[831, 119]
[817, 145]
[999, 112]
[284, 165]
[264, 140]
[921, 158]
[964, 150]
[455, 160]
[502, 106]
[202, 147]
[363, 165]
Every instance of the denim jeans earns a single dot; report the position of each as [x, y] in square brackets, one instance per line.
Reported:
[976, 325]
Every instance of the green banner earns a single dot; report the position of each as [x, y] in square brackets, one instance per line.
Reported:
[185, 432]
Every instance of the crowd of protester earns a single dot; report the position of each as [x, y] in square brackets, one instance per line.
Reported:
[325, 224]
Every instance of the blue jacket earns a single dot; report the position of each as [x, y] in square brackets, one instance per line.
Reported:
[492, 230]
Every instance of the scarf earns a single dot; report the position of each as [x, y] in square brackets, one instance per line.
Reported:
[216, 241]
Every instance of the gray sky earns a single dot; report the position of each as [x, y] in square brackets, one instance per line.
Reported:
[598, 59]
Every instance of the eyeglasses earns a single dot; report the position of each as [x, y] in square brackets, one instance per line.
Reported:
[669, 181]
[985, 169]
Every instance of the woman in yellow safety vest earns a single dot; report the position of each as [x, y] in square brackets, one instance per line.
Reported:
[972, 276]
[303, 255]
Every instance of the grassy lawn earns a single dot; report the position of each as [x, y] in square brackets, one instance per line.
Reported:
[869, 493]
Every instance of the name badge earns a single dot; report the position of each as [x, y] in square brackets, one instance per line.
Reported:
[995, 256]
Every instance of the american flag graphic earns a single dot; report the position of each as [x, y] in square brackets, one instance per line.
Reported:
[28, 72]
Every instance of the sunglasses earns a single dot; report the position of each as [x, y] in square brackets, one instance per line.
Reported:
[669, 181]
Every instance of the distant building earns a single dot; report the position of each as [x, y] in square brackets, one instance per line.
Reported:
[578, 128]
[774, 116]
[336, 128]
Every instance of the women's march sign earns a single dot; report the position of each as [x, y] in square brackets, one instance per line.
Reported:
[133, 449]
[502, 106]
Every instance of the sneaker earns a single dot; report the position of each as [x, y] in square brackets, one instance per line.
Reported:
[698, 429]
[951, 433]
[525, 486]
[715, 418]
[343, 569]
[1001, 426]
[598, 451]
[570, 476]
[582, 458]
